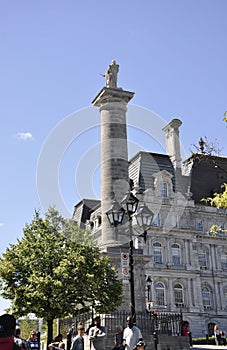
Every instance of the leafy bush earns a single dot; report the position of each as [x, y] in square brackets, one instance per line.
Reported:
[203, 341]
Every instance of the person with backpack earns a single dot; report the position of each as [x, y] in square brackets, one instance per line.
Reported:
[7, 331]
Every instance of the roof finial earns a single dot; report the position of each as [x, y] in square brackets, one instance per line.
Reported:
[201, 144]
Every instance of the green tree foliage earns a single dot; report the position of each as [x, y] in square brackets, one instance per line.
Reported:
[219, 200]
[225, 116]
[55, 271]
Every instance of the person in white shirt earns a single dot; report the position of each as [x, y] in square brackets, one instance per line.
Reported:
[97, 335]
[131, 335]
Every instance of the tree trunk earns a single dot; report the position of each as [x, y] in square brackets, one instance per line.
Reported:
[49, 331]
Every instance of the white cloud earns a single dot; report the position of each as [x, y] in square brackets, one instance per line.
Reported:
[24, 136]
[1, 224]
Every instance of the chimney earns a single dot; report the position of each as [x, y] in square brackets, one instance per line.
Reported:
[173, 143]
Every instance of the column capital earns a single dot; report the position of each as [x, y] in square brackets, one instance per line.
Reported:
[112, 95]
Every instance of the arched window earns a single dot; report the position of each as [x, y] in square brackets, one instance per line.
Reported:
[157, 250]
[225, 296]
[210, 328]
[160, 294]
[206, 295]
[178, 295]
[176, 258]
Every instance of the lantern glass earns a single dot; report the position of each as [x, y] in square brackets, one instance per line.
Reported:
[144, 216]
[115, 214]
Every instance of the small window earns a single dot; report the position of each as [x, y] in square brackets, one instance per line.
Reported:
[222, 231]
[206, 295]
[92, 225]
[157, 250]
[178, 294]
[160, 294]
[176, 259]
[202, 259]
[200, 225]
[164, 190]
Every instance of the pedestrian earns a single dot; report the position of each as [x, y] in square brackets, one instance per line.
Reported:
[22, 343]
[60, 345]
[69, 336]
[222, 338]
[97, 335]
[186, 332]
[217, 336]
[140, 345]
[57, 339]
[7, 331]
[118, 339]
[78, 341]
[131, 335]
[33, 340]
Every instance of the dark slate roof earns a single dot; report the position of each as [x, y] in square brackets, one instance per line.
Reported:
[144, 164]
[83, 210]
[203, 175]
[208, 173]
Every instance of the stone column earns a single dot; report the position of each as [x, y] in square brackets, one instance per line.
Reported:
[112, 103]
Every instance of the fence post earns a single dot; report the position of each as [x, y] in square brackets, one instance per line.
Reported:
[155, 337]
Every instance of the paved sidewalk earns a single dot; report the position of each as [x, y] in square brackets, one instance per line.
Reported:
[208, 347]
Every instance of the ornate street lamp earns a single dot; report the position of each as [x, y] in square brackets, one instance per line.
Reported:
[131, 203]
[115, 214]
[144, 217]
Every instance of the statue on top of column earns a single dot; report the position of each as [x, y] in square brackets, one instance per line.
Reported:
[111, 75]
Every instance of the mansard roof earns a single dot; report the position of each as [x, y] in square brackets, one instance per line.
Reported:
[202, 175]
[207, 175]
[144, 164]
[84, 209]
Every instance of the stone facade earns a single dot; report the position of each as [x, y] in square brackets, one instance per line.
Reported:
[186, 263]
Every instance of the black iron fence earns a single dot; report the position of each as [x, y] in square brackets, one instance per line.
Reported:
[162, 323]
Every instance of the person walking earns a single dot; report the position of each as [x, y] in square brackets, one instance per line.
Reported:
[7, 331]
[78, 341]
[22, 343]
[217, 336]
[33, 341]
[118, 339]
[131, 335]
[97, 335]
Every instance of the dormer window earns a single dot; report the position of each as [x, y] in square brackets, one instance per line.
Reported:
[164, 190]
[163, 184]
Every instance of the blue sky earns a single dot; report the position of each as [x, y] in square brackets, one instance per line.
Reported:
[172, 54]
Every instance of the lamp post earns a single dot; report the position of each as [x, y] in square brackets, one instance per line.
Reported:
[115, 216]
[148, 283]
